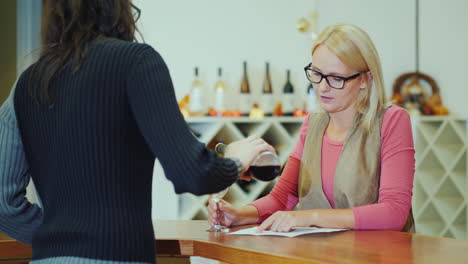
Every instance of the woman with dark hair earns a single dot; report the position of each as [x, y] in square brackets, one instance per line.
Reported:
[94, 112]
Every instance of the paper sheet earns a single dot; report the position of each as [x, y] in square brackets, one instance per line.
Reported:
[295, 232]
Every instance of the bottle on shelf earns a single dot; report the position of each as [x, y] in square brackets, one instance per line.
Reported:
[220, 95]
[267, 99]
[288, 106]
[245, 103]
[197, 106]
[256, 112]
[312, 103]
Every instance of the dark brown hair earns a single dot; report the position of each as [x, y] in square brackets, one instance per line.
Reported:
[68, 29]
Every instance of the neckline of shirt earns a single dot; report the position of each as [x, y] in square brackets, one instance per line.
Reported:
[332, 142]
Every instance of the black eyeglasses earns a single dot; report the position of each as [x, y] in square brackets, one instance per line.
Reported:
[337, 82]
[136, 13]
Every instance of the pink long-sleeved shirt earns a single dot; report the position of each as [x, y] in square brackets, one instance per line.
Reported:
[396, 178]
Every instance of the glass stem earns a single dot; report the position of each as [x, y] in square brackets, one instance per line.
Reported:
[218, 223]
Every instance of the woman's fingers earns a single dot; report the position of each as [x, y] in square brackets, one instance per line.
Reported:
[278, 222]
[262, 145]
[266, 147]
[279, 225]
[253, 138]
[266, 224]
[221, 212]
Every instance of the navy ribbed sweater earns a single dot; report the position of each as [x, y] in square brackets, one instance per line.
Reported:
[91, 153]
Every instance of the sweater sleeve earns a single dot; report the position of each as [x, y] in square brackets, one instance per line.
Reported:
[284, 195]
[186, 162]
[396, 178]
[18, 217]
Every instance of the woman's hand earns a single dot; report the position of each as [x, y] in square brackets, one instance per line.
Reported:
[284, 221]
[246, 150]
[222, 212]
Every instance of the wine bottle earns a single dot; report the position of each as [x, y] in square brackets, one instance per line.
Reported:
[267, 101]
[220, 92]
[288, 96]
[197, 105]
[244, 98]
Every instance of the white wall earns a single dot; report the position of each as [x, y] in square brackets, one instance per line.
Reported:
[444, 49]
[28, 33]
[390, 24]
[165, 202]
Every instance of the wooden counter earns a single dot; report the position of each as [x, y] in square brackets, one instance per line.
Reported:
[189, 238]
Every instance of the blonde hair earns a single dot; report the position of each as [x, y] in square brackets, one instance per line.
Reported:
[353, 47]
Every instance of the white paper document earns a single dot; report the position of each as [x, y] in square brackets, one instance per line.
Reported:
[297, 231]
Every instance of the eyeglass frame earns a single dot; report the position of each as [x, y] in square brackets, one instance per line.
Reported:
[324, 76]
[138, 11]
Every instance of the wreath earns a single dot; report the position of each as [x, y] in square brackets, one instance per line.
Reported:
[412, 95]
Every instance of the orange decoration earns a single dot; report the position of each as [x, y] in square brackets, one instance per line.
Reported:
[397, 99]
[299, 113]
[278, 111]
[212, 112]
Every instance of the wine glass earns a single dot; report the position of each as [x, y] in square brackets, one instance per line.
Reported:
[220, 148]
[216, 198]
[266, 167]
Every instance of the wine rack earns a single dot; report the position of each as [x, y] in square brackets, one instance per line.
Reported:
[281, 132]
[440, 183]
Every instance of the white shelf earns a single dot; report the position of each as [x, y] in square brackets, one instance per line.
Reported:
[430, 222]
[440, 184]
[459, 226]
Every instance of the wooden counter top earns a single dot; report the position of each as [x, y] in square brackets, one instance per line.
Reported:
[189, 238]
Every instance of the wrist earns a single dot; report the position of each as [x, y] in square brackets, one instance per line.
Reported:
[312, 218]
[246, 215]
[240, 167]
[236, 220]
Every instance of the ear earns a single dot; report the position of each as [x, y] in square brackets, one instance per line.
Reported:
[367, 78]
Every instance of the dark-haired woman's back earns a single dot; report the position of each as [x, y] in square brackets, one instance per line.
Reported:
[91, 152]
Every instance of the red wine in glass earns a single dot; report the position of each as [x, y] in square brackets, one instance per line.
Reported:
[265, 167]
[264, 173]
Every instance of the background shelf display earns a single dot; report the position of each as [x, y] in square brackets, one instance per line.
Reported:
[440, 189]
[281, 132]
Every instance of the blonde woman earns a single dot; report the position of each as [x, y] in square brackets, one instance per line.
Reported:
[353, 165]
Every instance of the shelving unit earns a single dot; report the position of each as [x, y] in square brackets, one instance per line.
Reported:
[280, 132]
[440, 184]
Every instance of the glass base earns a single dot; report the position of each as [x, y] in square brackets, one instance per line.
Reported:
[218, 228]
